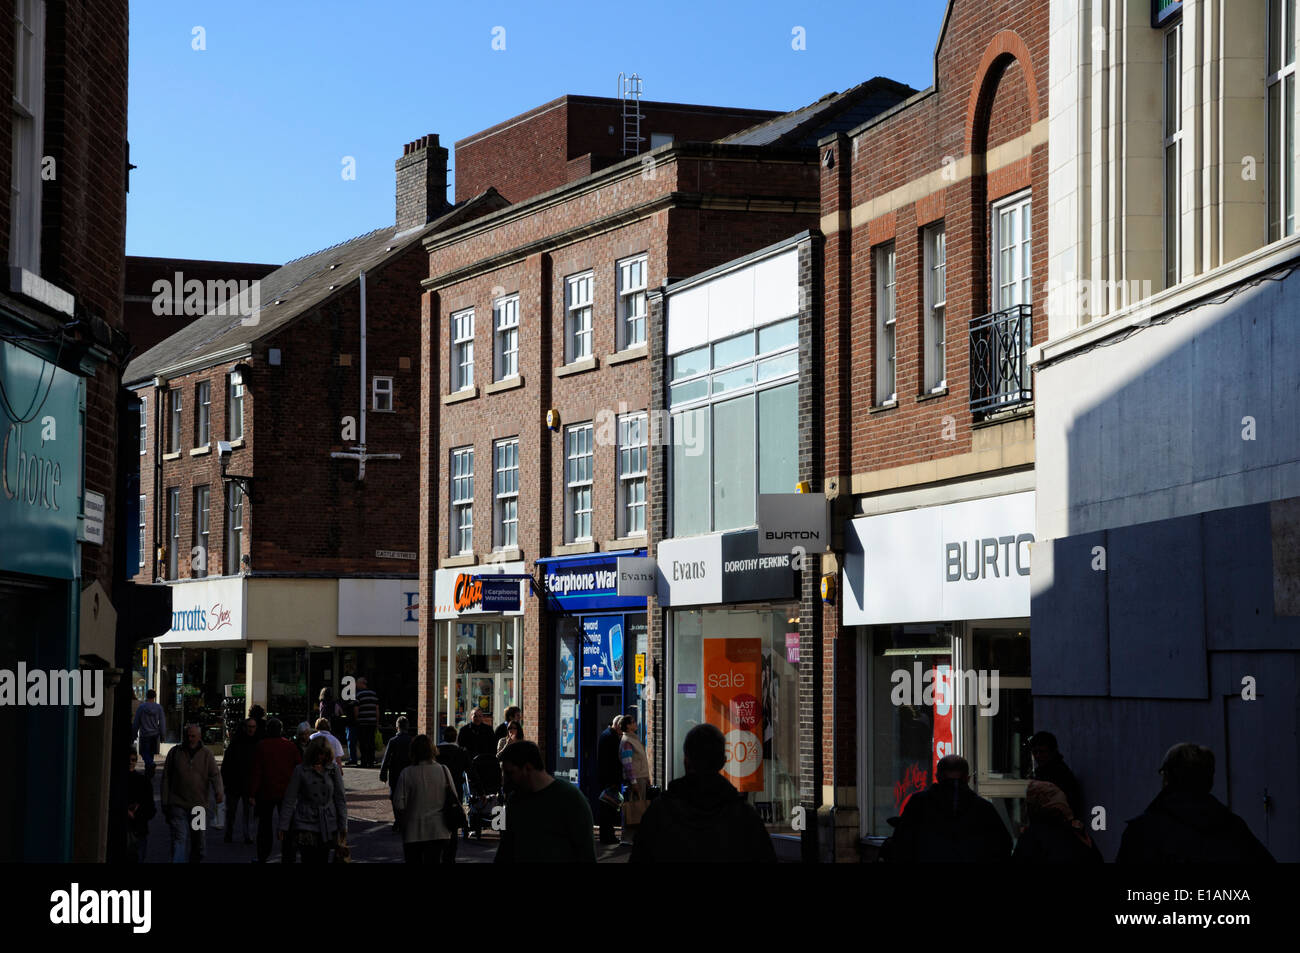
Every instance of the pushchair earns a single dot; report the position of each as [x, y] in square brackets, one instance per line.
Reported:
[484, 776]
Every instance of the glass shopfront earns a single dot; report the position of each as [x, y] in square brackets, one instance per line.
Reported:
[736, 667]
[199, 685]
[478, 666]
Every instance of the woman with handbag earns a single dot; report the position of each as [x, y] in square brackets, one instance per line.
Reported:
[314, 811]
[426, 801]
[636, 778]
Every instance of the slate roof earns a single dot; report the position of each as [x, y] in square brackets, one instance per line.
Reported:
[292, 290]
[834, 112]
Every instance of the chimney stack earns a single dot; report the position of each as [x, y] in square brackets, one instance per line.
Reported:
[421, 182]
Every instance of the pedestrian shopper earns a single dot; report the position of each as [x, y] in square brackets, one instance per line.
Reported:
[548, 820]
[149, 726]
[274, 759]
[397, 755]
[1050, 766]
[258, 714]
[453, 757]
[323, 731]
[477, 737]
[609, 775]
[702, 817]
[515, 732]
[1054, 835]
[236, 773]
[949, 822]
[367, 721]
[1186, 823]
[302, 737]
[513, 713]
[140, 810]
[426, 800]
[314, 811]
[636, 777]
[188, 772]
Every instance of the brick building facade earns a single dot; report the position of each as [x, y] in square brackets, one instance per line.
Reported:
[935, 217]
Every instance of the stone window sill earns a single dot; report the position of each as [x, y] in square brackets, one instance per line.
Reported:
[468, 393]
[174, 455]
[578, 367]
[200, 451]
[513, 554]
[631, 354]
[626, 542]
[932, 395]
[574, 549]
[881, 408]
[452, 562]
[510, 383]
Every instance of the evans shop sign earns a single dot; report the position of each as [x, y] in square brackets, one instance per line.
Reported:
[207, 609]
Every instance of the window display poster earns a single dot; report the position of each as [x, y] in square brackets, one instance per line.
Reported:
[602, 649]
[568, 674]
[732, 671]
[568, 730]
[943, 689]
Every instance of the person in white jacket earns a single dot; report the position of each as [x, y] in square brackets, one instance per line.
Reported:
[424, 790]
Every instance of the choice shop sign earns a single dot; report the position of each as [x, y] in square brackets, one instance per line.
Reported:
[579, 583]
[966, 560]
[40, 450]
[721, 568]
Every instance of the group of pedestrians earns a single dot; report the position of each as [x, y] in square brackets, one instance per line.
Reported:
[356, 719]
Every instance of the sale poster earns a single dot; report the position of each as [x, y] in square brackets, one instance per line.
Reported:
[943, 689]
[732, 671]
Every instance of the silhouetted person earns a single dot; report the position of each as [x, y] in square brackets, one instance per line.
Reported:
[1054, 834]
[702, 817]
[513, 713]
[397, 755]
[477, 737]
[548, 820]
[1050, 766]
[949, 822]
[457, 762]
[609, 775]
[150, 725]
[1186, 823]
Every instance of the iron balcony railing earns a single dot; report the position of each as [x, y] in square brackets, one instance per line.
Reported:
[999, 374]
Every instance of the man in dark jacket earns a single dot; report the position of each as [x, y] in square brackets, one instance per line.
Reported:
[513, 713]
[477, 737]
[1186, 823]
[701, 816]
[1051, 767]
[397, 755]
[949, 822]
[609, 776]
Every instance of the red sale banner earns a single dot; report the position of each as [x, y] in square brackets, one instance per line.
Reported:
[733, 672]
[942, 716]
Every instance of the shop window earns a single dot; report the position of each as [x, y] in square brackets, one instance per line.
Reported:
[737, 668]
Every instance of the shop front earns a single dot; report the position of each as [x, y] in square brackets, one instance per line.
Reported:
[938, 599]
[479, 641]
[732, 644]
[202, 658]
[378, 640]
[601, 646]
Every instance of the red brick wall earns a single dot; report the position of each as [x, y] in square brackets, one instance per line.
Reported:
[146, 328]
[570, 137]
[980, 96]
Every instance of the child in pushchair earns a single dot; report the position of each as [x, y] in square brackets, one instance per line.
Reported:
[484, 776]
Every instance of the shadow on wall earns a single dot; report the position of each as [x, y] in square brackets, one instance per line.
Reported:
[1167, 608]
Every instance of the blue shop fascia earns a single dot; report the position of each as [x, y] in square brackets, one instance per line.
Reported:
[601, 641]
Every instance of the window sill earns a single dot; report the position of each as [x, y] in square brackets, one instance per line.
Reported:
[631, 354]
[509, 383]
[236, 444]
[574, 549]
[881, 408]
[451, 562]
[200, 451]
[578, 367]
[31, 285]
[509, 554]
[468, 393]
[174, 455]
[626, 542]
[380, 410]
[931, 395]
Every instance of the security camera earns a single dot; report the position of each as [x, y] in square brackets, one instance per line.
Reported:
[223, 448]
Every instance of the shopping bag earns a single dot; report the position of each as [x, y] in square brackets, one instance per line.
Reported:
[219, 821]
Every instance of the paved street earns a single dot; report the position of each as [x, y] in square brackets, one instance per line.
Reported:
[370, 818]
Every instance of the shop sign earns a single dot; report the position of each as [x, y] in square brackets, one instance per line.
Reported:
[787, 520]
[640, 668]
[207, 610]
[732, 687]
[637, 576]
[379, 607]
[721, 568]
[589, 582]
[93, 507]
[40, 465]
[474, 591]
[966, 560]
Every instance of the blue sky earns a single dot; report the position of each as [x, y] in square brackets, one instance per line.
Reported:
[240, 146]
